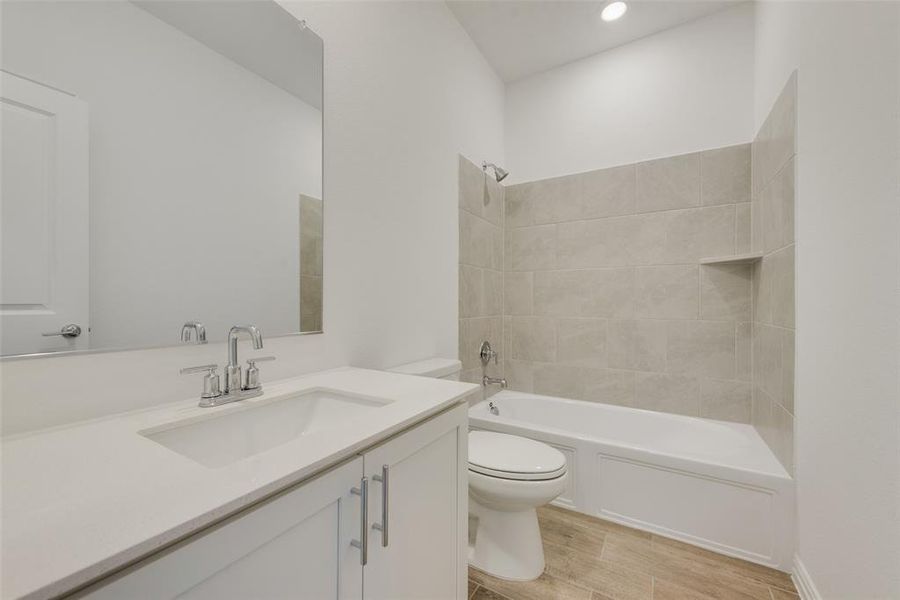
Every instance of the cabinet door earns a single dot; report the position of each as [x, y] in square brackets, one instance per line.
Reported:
[424, 556]
[296, 545]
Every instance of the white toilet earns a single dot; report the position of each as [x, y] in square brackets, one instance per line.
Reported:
[509, 477]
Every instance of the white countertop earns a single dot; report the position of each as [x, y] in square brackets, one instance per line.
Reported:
[83, 499]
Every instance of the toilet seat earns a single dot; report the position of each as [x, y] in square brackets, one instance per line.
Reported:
[513, 457]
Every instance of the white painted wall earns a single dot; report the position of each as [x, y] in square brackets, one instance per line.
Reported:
[847, 445]
[191, 157]
[684, 89]
[405, 91]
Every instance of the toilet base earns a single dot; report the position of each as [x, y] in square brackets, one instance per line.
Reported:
[507, 544]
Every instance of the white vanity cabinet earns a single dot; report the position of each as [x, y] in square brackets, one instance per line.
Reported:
[421, 553]
[306, 541]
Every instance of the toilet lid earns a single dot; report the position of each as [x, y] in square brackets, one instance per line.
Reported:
[513, 457]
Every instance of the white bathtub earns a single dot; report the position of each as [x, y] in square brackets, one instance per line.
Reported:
[710, 483]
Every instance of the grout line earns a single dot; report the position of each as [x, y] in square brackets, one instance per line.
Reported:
[625, 215]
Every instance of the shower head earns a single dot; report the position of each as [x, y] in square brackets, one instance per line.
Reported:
[499, 172]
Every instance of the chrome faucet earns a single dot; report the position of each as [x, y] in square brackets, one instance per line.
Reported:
[235, 386]
[486, 381]
[486, 353]
[195, 327]
[233, 379]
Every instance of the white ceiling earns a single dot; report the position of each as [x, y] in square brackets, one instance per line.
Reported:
[522, 37]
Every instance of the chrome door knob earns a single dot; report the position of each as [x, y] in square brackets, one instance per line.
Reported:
[68, 331]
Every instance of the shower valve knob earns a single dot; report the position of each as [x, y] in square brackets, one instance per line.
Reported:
[487, 353]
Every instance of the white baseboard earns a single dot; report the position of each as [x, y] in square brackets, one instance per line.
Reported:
[803, 582]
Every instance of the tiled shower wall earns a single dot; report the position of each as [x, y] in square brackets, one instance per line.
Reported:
[480, 268]
[605, 296]
[311, 236]
[774, 156]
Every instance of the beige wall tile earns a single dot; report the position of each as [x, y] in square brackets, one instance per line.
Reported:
[677, 394]
[620, 343]
[756, 223]
[667, 292]
[311, 215]
[518, 286]
[609, 386]
[620, 241]
[471, 186]
[777, 205]
[703, 348]
[310, 303]
[476, 241]
[492, 207]
[767, 361]
[608, 192]
[531, 248]
[699, 233]
[725, 292]
[519, 375]
[557, 199]
[587, 244]
[558, 380]
[725, 175]
[650, 345]
[783, 436]
[761, 415]
[637, 344]
[532, 338]
[492, 302]
[643, 235]
[588, 293]
[783, 287]
[497, 248]
[518, 204]
[606, 305]
[581, 342]
[772, 218]
[742, 228]
[762, 291]
[471, 291]
[474, 331]
[668, 183]
[725, 400]
[780, 130]
[311, 256]
[743, 351]
[311, 294]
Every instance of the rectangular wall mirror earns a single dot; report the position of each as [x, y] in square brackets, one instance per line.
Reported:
[161, 164]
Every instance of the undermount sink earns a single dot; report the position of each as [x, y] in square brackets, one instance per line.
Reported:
[251, 428]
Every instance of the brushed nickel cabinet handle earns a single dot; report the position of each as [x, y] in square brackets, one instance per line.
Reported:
[384, 479]
[363, 542]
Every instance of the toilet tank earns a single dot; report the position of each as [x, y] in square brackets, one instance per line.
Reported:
[441, 368]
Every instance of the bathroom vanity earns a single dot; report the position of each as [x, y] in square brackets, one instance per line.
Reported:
[343, 484]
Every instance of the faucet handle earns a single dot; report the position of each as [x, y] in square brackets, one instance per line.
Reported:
[252, 361]
[199, 369]
[210, 380]
[487, 353]
[252, 382]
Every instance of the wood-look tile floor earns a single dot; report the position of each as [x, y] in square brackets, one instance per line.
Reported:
[592, 559]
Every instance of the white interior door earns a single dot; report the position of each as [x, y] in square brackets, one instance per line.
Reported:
[44, 218]
[423, 556]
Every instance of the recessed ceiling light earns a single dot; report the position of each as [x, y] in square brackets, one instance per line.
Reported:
[613, 11]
